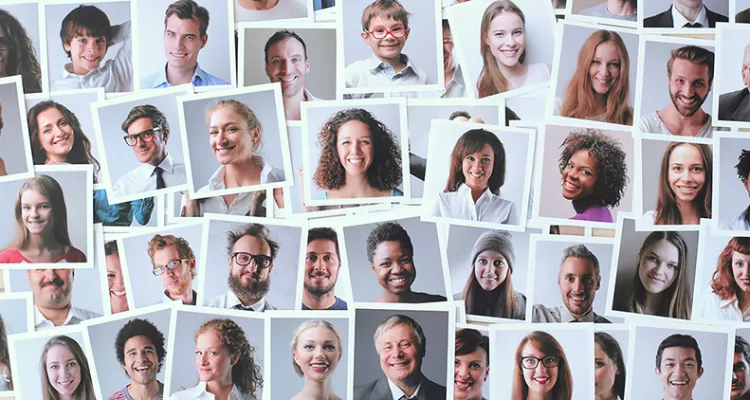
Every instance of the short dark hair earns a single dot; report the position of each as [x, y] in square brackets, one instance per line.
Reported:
[85, 21]
[110, 248]
[469, 340]
[188, 9]
[741, 346]
[323, 233]
[743, 165]
[283, 35]
[255, 230]
[388, 232]
[459, 113]
[158, 119]
[140, 327]
[696, 55]
[679, 340]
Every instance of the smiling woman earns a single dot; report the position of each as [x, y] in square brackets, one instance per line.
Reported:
[730, 284]
[472, 364]
[316, 352]
[541, 369]
[65, 370]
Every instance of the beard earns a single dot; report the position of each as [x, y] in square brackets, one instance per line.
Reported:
[688, 112]
[256, 289]
[318, 291]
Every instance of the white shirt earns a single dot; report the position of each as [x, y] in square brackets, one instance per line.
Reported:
[267, 175]
[649, 217]
[229, 300]
[738, 223]
[143, 178]
[285, 9]
[712, 307]
[397, 393]
[114, 75]
[199, 392]
[679, 20]
[240, 205]
[653, 124]
[75, 316]
[488, 208]
[373, 73]
[455, 88]
[536, 73]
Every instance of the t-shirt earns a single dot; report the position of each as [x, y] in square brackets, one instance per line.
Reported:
[338, 305]
[12, 256]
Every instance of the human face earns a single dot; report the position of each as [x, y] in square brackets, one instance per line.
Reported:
[231, 139]
[141, 361]
[605, 68]
[354, 147]
[36, 212]
[388, 48]
[490, 269]
[55, 134]
[400, 357]
[393, 267]
[212, 359]
[4, 52]
[63, 370]
[741, 270]
[118, 299]
[86, 53]
[679, 372]
[740, 376]
[288, 65]
[579, 176]
[469, 374]
[658, 266]
[478, 167]
[318, 352]
[578, 284]
[746, 73]
[448, 63]
[687, 173]
[321, 267]
[605, 372]
[540, 379]
[688, 86]
[148, 152]
[177, 281]
[249, 277]
[51, 287]
[182, 42]
[506, 38]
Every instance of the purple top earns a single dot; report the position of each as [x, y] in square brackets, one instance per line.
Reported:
[594, 213]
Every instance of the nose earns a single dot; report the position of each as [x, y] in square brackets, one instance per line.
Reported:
[180, 42]
[540, 368]
[221, 136]
[396, 267]
[357, 149]
[462, 370]
[286, 66]
[603, 69]
[578, 285]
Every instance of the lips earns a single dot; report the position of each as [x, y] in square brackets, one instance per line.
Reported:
[509, 53]
[687, 190]
[678, 383]
[142, 369]
[398, 280]
[178, 55]
[319, 366]
[402, 364]
[61, 140]
[90, 59]
[542, 380]
[464, 385]
[579, 299]
[355, 161]
[654, 277]
[117, 293]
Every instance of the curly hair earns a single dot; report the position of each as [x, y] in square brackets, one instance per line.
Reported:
[722, 280]
[385, 171]
[388, 232]
[743, 165]
[246, 374]
[611, 170]
[140, 327]
[159, 242]
[21, 54]
[471, 142]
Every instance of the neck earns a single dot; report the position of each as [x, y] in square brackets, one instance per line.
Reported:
[539, 396]
[516, 73]
[652, 303]
[671, 115]
[601, 103]
[621, 7]
[743, 301]
[239, 174]
[42, 242]
[476, 193]
[689, 213]
[179, 76]
[293, 106]
[52, 159]
[187, 297]
[669, 396]
[398, 63]
[317, 390]
[318, 302]
[579, 316]
[55, 315]
[248, 301]
[606, 396]
[159, 161]
[147, 391]
[690, 13]
[388, 297]
[220, 389]
[357, 186]
[449, 72]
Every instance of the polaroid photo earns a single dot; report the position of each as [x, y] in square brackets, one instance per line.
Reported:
[526, 106]
[667, 16]
[325, 10]
[739, 366]
[732, 72]
[178, 60]
[197, 329]
[151, 123]
[139, 340]
[71, 63]
[112, 276]
[566, 361]
[611, 347]
[247, 11]
[489, 197]
[653, 273]
[339, 160]
[324, 283]
[740, 9]
[27, 50]
[680, 194]
[385, 55]
[528, 59]
[662, 353]
[606, 12]
[16, 159]
[730, 209]
[316, 339]
[583, 87]
[16, 315]
[472, 375]
[248, 250]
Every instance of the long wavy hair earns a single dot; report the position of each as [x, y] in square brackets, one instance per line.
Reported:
[667, 209]
[51, 189]
[85, 389]
[491, 80]
[580, 100]
[613, 351]
[547, 344]
[471, 142]
[4, 354]
[722, 280]
[21, 54]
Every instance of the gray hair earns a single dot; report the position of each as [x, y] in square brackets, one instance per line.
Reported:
[581, 251]
[412, 325]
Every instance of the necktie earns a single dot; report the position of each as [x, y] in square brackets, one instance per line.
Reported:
[159, 178]
[691, 25]
[242, 307]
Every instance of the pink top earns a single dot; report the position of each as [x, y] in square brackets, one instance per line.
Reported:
[11, 256]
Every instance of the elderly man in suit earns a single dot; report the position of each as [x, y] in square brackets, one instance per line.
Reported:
[685, 14]
[400, 343]
[735, 106]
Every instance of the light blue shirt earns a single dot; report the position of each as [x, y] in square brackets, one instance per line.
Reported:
[200, 78]
[738, 223]
[372, 72]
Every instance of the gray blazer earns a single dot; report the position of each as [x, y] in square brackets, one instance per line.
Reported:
[379, 390]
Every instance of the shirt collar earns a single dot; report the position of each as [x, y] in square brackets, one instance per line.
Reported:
[466, 191]
[74, 317]
[233, 300]
[308, 96]
[160, 79]
[458, 76]
[199, 391]
[566, 316]
[374, 64]
[216, 181]
[397, 393]
[680, 20]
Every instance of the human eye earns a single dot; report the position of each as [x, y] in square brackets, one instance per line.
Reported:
[498, 263]
[676, 168]
[81, 40]
[276, 62]
[475, 366]
[312, 257]
[470, 158]
[499, 34]
[595, 62]
[598, 364]
[518, 32]
[615, 65]
[481, 261]
[379, 31]
[148, 133]
[486, 160]
[308, 347]
[698, 168]
[672, 265]
[25, 207]
[588, 173]
[99, 40]
[213, 132]
[329, 347]
[110, 276]
[327, 258]
[406, 260]
[72, 364]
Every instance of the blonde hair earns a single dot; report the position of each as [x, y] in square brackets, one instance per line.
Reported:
[491, 80]
[243, 111]
[51, 189]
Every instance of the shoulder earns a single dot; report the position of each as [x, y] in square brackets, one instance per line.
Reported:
[433, 390]
[118, 395]
[736, 95]
[190, 393]
[743, 16]
[594, 10]
[364, 391]
[650, 123]
[75, 255]
[716, 17]
[654, 21]
[429, 297]
[11, 256]
[519, 296]
[275, 175]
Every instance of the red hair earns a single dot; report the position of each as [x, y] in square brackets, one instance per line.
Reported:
[722, 281]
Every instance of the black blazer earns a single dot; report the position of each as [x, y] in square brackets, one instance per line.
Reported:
[735, 106]
[379, 390]
[664, 20]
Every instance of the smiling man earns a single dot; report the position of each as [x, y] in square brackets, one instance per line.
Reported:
[185, 26]
[578, 281]
[401, 346]
[321, 271]
[52, 291]
[287, 63]
[140, 351]
[174, 261]
[678, 366]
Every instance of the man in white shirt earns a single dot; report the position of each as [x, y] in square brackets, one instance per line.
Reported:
[678, 366]
[287, 63]
[174, 260]
[52, 291]
[400, 343]
[147, 134]
[685, 14]
[251, 253]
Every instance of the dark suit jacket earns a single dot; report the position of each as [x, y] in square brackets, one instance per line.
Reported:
[743, 17]
[379, 390]
[664, 20]
[735, 106]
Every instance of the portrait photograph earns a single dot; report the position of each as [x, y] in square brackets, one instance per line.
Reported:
[272, 10]
[53, 225]
[495, 65]
[471, 373]
[342, 163]
[196, 46]
[741, 11]
[611, 352]
[70, 62]
[654, 273]
[732, 151]
[611, 12]
[15, 147]
[586, 174]
[22, 24]
[599, 83]
[659, 16]
[112, 276]
[374, 47]
[730, 103]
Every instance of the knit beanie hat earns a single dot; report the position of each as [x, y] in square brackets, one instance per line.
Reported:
[497, 240]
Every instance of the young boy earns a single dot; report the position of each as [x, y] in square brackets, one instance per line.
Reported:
[86, 36]
[385, 28]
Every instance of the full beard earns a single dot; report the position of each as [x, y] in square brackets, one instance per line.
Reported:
[255, 290]
[318, 291]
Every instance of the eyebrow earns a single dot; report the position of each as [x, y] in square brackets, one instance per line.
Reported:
[54, 122]
[145, 347]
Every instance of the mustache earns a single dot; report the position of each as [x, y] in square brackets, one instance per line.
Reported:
[56, 282]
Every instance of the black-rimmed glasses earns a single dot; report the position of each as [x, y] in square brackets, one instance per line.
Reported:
[172, 265]
[243, 259]
[528, 362]
[145, 136]
[380, 32]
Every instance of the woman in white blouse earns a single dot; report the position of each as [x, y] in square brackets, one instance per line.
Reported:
[730, 284]
[477, 172]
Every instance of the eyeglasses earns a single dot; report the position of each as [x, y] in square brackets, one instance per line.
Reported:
[172, 265]
[5, 43]
[397, 32]
[528, 362]
[145, 136]
[243, 259]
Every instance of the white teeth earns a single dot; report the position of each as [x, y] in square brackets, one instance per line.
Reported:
[356, 161]
[510, 52]
[570, 185]
[463, 385]
[399, 365]
[398, 280]
[179, 55]
[118, 294]
[477, 174]
[678, 383]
